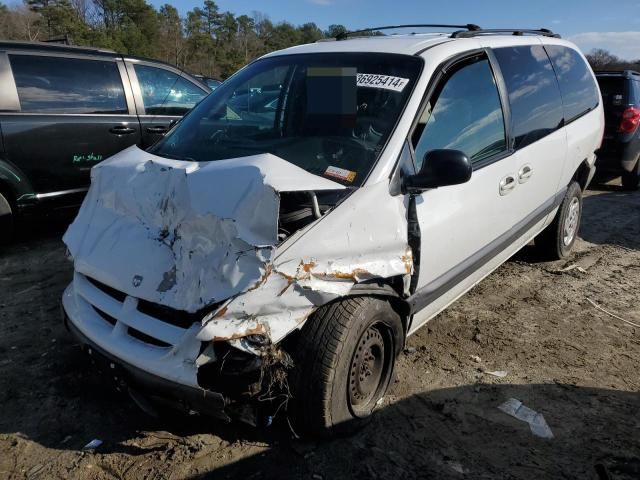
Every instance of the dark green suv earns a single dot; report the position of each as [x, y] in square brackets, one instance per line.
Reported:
[63, 109]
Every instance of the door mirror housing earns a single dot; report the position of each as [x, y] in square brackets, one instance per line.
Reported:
[440, 168]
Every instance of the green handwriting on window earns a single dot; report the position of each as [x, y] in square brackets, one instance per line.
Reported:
[88, 157]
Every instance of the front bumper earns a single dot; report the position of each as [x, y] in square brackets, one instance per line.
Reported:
[149, 385]
[163, 366]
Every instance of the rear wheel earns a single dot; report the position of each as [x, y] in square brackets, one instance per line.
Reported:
[6, 220]
[557, 239]
[344, 363]
[631, 180]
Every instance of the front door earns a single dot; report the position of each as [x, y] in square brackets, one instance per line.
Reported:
[73, 113]
[163, 95]
[461, 225]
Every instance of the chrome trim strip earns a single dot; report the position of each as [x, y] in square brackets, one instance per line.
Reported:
[40, 196]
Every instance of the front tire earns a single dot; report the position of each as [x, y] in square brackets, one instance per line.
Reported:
[6, 220]
[557, 239]
[343, 365]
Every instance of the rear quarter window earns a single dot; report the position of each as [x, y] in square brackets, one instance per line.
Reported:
[68, 85]
[578, 89]
[614, 91]
[534, 96]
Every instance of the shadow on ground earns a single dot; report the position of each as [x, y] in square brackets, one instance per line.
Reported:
[449, 433]
[612, 217]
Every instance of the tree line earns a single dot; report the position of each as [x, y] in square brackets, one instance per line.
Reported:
[601, 59]
[206, 40]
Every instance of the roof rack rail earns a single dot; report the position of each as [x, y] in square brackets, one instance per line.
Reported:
[626, 73]
[467, 27]
[497, 31]
[63, 40]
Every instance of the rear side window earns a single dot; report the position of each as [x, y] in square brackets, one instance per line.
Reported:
[534, 96]
[68, 85]
[579, 93]
[466, 115]
[165, 92]
[614, 91]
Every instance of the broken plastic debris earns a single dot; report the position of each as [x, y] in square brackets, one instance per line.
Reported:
[475, 358]
[536, 421]
[93, 444]
[572, 267]
[498, 373]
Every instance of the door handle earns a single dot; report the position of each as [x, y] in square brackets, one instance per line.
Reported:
[507, 184]
[161, 129]
[122, 130]
[525, 173]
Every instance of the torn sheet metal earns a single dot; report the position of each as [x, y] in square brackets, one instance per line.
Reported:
[363, 238]
[183, 234]
[188, 235]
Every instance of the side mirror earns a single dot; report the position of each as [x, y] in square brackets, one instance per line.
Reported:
[439, 169]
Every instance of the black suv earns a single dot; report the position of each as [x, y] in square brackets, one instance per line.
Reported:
[63, 109]
[620, 151]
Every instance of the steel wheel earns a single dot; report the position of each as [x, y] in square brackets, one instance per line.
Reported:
[570, 227]
[370, 369]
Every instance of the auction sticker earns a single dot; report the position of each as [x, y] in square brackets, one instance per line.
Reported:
[341, 173]
[386, 82]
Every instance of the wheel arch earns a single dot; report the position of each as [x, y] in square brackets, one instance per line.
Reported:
[14, 184]
[382, 288]
[385, 289]
[583, 175]
[9, 194]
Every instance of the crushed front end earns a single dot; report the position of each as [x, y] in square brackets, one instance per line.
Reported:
[190, 276]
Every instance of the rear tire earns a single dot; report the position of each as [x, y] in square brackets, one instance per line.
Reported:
[631, 180]
[557, 239]
[6, 220]
[343, 364]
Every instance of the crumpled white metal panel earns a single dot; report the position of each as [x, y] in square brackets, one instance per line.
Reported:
[183, 234]
[187, 234]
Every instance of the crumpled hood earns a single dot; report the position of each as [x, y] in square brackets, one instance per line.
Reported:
[183, 234]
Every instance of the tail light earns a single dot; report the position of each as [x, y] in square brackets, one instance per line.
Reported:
[630, 120]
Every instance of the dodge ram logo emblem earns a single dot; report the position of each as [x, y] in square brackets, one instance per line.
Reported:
[137, 280]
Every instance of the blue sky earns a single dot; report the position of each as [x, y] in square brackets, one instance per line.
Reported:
[613, 24]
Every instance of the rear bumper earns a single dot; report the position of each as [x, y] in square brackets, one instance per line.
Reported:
[615, 157]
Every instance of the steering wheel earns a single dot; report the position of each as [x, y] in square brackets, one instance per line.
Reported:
[337, 148]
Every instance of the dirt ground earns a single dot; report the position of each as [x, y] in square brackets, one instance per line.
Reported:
[576, 365]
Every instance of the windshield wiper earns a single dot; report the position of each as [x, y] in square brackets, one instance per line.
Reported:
[174, 157]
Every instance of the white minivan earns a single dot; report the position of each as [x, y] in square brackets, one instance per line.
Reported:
[272, 253]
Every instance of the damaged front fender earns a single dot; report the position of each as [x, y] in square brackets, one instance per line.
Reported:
[189, 235]
[363, 239]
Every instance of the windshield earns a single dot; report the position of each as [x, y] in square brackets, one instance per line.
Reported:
[330, 114]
